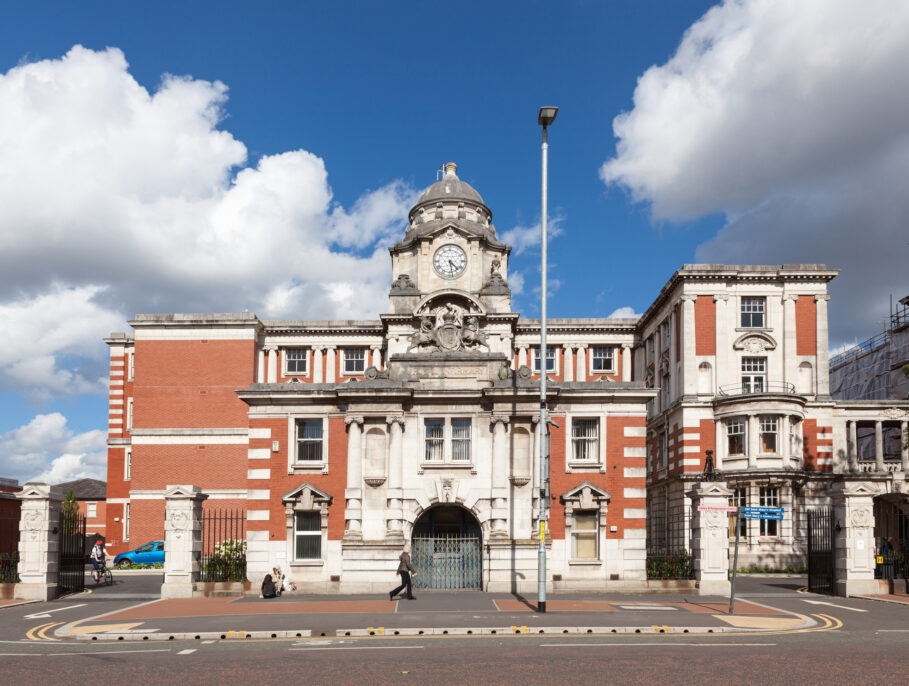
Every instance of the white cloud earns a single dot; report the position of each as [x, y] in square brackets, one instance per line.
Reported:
[792, 119]
[46, 449]
[520, 238]
[115, 200]
[624, 313]
[516, 282]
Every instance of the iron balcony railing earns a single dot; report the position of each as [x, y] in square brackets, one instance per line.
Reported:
[773, 387]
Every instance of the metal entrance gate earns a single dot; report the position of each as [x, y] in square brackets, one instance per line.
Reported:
[447, 561]
[71, 544]
[821, 551]
[891, 531]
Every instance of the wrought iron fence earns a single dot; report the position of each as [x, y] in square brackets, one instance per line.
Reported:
[892, 532]
[223, 545]
[71, 544]
[9, 547]
[668, 537]
[447, 561]
[772, 387]
[821, 551]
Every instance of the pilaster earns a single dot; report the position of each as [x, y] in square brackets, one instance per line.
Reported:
[854, 536]
[710, 537]
[39, 553]
[182, 540]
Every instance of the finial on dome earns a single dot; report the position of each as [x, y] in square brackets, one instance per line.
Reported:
[451, 169]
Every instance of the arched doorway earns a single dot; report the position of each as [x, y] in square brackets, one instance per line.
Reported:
[447, 549]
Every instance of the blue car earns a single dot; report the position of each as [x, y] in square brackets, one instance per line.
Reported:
[147, 554]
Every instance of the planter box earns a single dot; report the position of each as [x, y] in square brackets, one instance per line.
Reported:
[7, 591]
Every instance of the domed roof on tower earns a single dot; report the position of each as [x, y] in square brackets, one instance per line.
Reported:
[450, 201]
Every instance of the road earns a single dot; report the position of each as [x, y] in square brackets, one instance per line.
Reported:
[858, 642]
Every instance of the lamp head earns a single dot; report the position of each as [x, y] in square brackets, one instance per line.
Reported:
[547, 115]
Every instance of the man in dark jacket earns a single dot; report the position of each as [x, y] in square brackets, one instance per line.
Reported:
[405, 569]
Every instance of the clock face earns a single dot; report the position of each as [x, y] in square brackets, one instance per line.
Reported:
[450, 261]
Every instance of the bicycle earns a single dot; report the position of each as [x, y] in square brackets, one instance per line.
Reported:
[103, 574]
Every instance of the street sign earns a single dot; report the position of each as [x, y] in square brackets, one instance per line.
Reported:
[762, 515]
[768, 510]
[717, 508]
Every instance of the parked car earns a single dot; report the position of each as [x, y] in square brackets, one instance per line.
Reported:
[147, 554]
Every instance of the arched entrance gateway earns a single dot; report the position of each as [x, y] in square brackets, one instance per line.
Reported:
[447, 549]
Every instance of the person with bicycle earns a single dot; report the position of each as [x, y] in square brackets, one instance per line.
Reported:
[98, 556]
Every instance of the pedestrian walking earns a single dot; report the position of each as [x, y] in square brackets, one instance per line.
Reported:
[406, 570]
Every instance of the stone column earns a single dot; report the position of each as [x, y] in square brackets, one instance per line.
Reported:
[272, 351]
[182, 540]
[854, 536]
[879, 446]
[581, 364]
[710, 537]
[719, 444]
[330, 364]
[354, 494]
[853, 446]
[626, 361]
[821, 369]
[723, 346]
[785, 446]
[790, 360]
[499, 476]
[260, 366]
[569, 368]
[39, 554]
[753, 439]
[376, 357]
[317, 372]
[395, 511]
[689, 384]
[904, 450]
[522, 356]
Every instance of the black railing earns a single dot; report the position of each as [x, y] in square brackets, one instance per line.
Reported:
[821, 551]
[71, 542]
[9, 547]
[668, 556]
[223, 545]
[859, 349]
[773, 387]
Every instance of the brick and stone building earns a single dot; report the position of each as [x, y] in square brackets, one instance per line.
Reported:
[341, 440]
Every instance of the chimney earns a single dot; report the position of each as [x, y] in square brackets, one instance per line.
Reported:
[451, 169]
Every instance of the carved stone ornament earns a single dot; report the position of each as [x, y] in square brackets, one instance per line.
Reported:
[524, 372]
[447, 490]
[178, 521]
[754, 345]
[449, 328]
[896, 413]
[372, 374]
[403, 283]
[34, 520]
[374, 481]
[861, 517]
[495, 281]
[713, 519]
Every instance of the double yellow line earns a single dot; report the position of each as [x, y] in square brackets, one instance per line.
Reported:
[39, 633]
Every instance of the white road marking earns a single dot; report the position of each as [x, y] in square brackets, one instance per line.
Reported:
[113, 652]
[841, 607]
[363, 648]
[188, 651]
[646, 607]
[892, 630]
[206, 642]
[42, 615]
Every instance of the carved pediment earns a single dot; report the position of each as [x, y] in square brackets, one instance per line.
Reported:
[755, 342]
[586, 496]
[307, 497]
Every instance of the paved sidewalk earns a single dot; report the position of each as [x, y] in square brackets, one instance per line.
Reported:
[452, 613]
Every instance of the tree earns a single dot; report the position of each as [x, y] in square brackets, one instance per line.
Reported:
[69, 512]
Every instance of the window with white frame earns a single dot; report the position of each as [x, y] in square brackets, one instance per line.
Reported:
[309, 440]
[91, 510]
[754, 374]
[649, 346]
[550, 360]
[769, 497]
[127, 465]
[130, 365]
[739, 498]
[666, 334]
[735, 436]
[770, 429]
[295, 361]
[602, 360]
[447, 441]
[584, 538]
[129, 414]
[585, 439]
[666, 388]
[664, 449]
[308, 535]
[754, 312]
[126, 521]
[354, 360]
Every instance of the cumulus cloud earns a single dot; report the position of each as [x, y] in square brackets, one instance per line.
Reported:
[46, 449]
[520, 238]
[792, 120]
[116, 200]
[624, 313]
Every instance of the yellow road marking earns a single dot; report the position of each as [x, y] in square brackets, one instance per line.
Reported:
[803, 589]
[38, 633]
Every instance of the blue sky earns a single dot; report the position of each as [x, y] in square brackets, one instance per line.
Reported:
[229, 156]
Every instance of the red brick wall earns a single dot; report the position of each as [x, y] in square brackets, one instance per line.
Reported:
[205, 465]
[281, 482]
[613, 480]
[708, 440]
[805, 325]
[704, 325]
[191, 383]
[810, 454]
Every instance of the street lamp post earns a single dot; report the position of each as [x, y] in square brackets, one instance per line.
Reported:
[545, 118]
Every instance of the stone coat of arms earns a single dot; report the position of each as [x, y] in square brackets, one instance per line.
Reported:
[449, 328]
